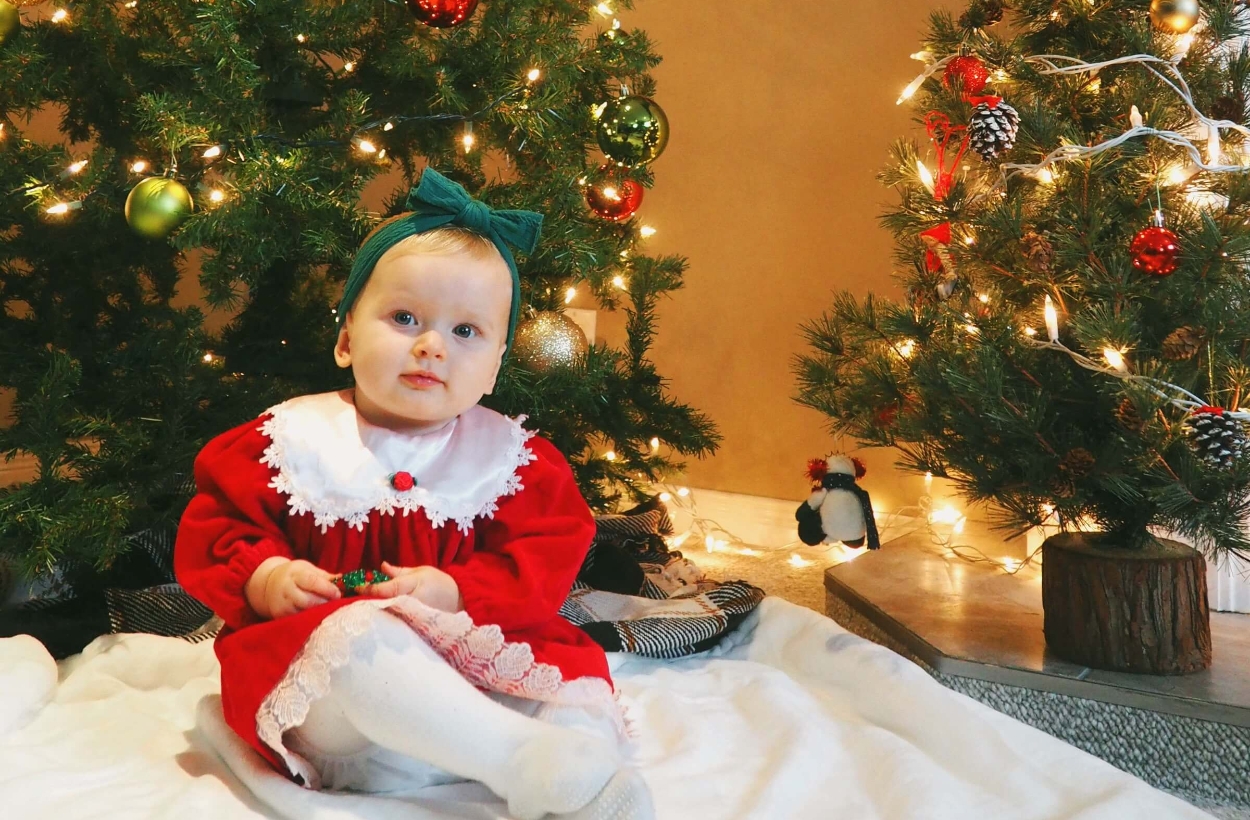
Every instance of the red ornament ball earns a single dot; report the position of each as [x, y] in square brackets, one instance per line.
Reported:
[612, 196]
[969, 71]
[1154, 251]
[403, 481]
[442, 13]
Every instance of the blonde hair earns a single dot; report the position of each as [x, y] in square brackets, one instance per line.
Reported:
[440, 241]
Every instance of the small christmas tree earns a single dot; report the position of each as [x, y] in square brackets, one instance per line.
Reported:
[1072, 344]
[234, 139]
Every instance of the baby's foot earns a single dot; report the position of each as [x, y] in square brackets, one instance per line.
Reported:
[626, 797]
[558, 772]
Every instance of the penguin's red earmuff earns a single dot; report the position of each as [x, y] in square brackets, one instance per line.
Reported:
[860, 469]
[816, 469]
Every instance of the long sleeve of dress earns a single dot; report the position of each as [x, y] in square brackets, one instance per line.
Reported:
[231, 526]
[527, 556]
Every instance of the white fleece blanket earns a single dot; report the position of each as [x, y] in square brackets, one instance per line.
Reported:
[793, 717]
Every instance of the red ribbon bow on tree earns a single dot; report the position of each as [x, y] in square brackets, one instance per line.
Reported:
[940, 130]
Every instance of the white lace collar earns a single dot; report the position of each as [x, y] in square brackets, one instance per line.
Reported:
[338, 467]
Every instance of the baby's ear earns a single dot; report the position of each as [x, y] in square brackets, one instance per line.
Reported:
[503, 351]
[343, 345]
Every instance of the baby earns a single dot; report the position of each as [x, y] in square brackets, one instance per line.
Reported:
[389, 560]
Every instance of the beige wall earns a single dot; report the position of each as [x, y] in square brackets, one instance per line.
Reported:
[781, 118]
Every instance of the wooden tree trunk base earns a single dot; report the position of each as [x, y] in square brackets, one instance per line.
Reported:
[1126, 610]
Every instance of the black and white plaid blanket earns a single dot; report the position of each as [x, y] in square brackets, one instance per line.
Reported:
[632, 595]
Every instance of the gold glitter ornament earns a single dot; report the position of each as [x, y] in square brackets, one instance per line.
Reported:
[549, 341]
[1174, 16]
[156, 206]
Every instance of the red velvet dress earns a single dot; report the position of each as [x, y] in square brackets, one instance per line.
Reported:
[495, 507]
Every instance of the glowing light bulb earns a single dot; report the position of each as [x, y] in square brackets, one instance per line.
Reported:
[923, 56]
[78, 166]
[910, 90]
[349, 66]
[1115, 358]
[1178, 174]
[533, 75]
[1045, 176]
[389, 126]
[945, 515]
[666, 497]
[619, 281]
[138, 166]
[928, 480]
[60, 16]
[683, 492]
[212, 153]
[366, 147]
[646, 231]
[570, 295]
[926, 178]
[906, 347]
[1010, 564]
[604, 9]
[972, 329]
[59, 209]
[1052, 319]
[970, 239]
[798, 561]
[655, 443]
[1030, 331]
[299, 38]
[467, 139]
[208, 357]
[984, 298]
[216, 195]
[1135, 117]
[610, 455]
[610, 192]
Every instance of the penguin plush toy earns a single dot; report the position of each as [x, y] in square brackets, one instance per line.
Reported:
[838, 509]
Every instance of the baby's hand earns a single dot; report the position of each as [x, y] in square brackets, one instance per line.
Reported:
[429, 585]
[290, 587]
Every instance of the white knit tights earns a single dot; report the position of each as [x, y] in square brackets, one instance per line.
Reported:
[397, 693]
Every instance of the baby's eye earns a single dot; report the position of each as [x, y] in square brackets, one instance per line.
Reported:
[403, 317]
[465, 331]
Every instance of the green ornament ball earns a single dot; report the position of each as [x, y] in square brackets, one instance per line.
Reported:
[1174, 16]
[156, 206]
[632, 130]
[10, 21]
[549, 341]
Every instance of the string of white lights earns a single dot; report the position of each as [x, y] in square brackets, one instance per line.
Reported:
[1071, 65]
[1116, 366]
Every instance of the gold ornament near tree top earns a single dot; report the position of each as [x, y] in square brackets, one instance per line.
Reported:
[549, 341]
[1174, 16]
[156, 206]
[10, 21]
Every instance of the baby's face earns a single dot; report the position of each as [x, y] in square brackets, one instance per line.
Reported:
[426, 337]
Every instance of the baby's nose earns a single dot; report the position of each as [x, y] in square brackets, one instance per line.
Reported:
[430, 344]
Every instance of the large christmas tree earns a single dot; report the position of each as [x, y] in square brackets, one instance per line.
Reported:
[265, 119]
[1074, 341]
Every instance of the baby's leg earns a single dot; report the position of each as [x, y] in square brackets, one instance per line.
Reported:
[400, 694]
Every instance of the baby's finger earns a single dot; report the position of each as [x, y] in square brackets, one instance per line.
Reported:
[394, 587]
[319, 585]
[306, 600]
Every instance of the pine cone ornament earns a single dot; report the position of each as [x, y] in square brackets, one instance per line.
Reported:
[982, 13]
[1062, 486]
[1183, 343]
[1128, 416]
[1039, 251]
[1217, 438]
[1078, 462]
[1230, 107]
[993, 129]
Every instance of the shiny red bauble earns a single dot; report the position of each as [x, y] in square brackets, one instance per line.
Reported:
[612, 196]
[1154, 251]
[969, 72]
[442, 13]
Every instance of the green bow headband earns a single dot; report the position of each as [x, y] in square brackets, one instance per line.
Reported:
[435, 203]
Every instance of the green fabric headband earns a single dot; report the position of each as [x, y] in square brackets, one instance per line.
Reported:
[437, 202]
